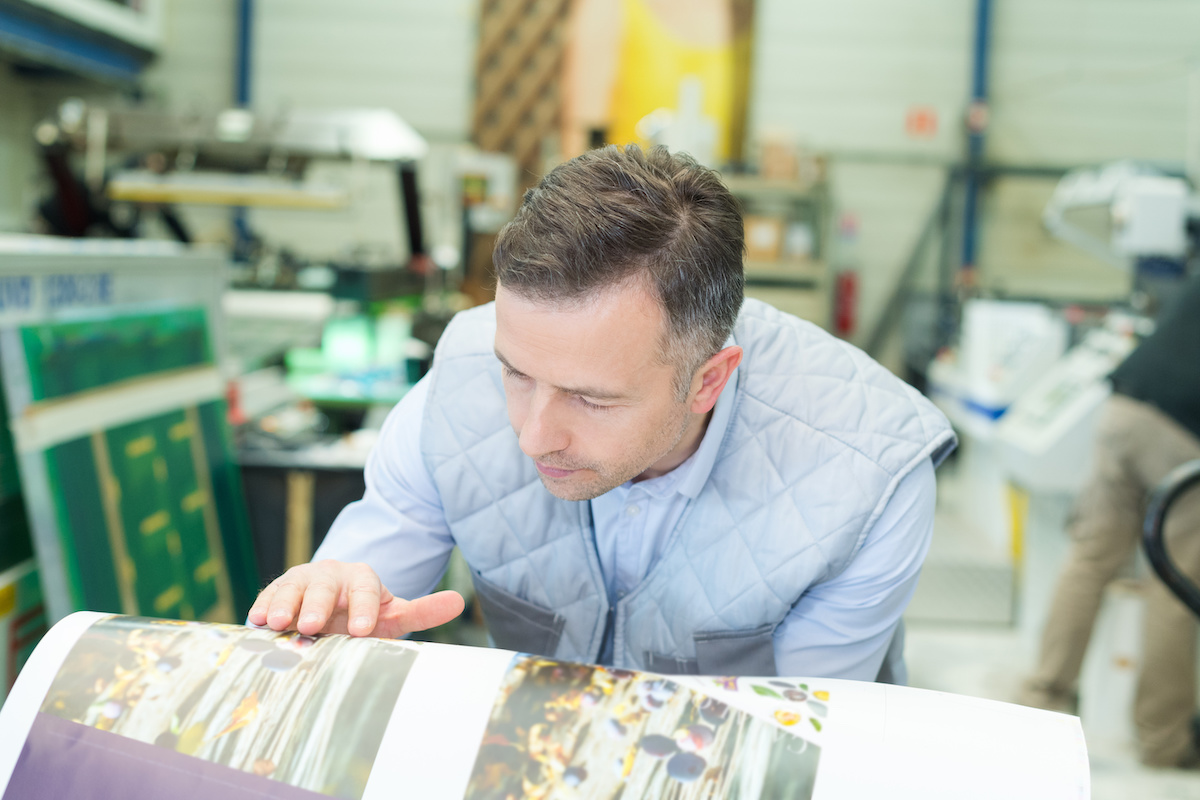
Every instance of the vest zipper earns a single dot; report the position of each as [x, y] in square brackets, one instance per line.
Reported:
[607, 644]
[608, 639]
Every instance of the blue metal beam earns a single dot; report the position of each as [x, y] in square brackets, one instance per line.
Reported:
[242, 70]
[977, 119]
[241, 97]
[59, 46]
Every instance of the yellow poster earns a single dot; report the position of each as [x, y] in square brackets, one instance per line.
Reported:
[636, 65]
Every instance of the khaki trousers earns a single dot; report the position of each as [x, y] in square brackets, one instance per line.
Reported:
[1136, 446]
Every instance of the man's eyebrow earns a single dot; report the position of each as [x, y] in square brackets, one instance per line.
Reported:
[599, 394]
[507, 365]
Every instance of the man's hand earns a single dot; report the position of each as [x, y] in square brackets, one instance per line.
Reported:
[336, 597]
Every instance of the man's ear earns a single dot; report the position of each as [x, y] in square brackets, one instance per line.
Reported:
[711, 378]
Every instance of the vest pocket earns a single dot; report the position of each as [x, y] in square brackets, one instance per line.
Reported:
[669, 665]
[517, 624]
[749, 652]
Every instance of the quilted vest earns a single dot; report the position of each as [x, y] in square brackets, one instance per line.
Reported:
[819, 438]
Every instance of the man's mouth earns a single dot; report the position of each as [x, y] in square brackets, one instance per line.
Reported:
[554, 472]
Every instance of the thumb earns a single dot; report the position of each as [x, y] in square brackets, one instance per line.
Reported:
[401, 617]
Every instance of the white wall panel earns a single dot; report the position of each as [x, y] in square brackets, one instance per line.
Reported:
[841, 75]
[195, 67]
[1072, 81]
[1082, 81]
[412, 56]
[18, 168]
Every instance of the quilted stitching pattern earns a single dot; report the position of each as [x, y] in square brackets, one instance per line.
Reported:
[825, 432]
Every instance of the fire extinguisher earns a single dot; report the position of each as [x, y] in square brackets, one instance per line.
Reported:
[845, 303]
[845, 287]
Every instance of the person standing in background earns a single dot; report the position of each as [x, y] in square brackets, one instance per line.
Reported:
[1150, 426]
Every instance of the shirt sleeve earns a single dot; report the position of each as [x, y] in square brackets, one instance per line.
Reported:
[842, 628]
[398, 528]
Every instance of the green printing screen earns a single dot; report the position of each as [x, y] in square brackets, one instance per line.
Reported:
[68, 358]
[150, 516]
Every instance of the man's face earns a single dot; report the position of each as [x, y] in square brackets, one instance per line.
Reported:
[587, 395]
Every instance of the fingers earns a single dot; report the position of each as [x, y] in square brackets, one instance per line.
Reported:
[277, 604]
[333, 597]
[438, 609]
[288, 591]
[363, 593]
[308, 592]
[258, 611]
[318, 602]
[405, 616]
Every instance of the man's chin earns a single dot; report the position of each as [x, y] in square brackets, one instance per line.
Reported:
[573, 488]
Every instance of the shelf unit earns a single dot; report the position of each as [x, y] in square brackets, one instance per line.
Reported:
[797, 285]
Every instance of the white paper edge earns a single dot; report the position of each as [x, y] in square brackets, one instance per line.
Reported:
[21, 707]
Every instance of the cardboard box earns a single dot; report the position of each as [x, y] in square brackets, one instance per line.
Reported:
[764, 238]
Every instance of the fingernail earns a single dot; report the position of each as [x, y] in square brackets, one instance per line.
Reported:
[362, 623]
[309, 619]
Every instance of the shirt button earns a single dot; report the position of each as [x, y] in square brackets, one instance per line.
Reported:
[633, 510]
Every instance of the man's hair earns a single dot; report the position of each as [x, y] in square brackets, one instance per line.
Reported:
[615, 216]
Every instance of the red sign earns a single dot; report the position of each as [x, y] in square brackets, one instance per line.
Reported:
[921, 122]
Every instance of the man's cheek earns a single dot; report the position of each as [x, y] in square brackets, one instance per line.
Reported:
[516, 411]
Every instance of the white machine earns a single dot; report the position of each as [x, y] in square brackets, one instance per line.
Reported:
[1045, 439]
[1004, 347]
[1119, 213]
[1142, 213]
[327, 186]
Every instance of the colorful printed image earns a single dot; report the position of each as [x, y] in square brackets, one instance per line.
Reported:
[562, 730]
[286, 707]
[790, 703]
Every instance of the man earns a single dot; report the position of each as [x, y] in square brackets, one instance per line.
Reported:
[1149, 426]
[637, 473]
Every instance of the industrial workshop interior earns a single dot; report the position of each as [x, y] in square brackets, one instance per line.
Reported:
[393, 399]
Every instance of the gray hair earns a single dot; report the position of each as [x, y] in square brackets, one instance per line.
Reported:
[618, 215]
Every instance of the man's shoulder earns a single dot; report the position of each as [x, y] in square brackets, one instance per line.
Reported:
[830, 388]
[470, 333]
[784, 351]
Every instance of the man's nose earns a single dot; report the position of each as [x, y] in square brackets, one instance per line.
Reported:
[543, 432]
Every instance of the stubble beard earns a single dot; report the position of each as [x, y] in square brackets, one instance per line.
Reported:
[606, 478]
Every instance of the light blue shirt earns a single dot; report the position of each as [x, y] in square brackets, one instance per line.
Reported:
[840, 628]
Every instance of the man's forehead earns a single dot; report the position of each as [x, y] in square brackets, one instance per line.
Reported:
[600, 348]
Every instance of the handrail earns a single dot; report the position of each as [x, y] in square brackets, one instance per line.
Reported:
[894, 307]
[1165, 494]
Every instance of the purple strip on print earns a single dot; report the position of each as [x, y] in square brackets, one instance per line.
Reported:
[64, 759]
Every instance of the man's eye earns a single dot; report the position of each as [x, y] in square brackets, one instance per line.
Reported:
[509, 372]
[591, 406]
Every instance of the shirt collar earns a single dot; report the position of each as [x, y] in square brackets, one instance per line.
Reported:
[689, 477]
